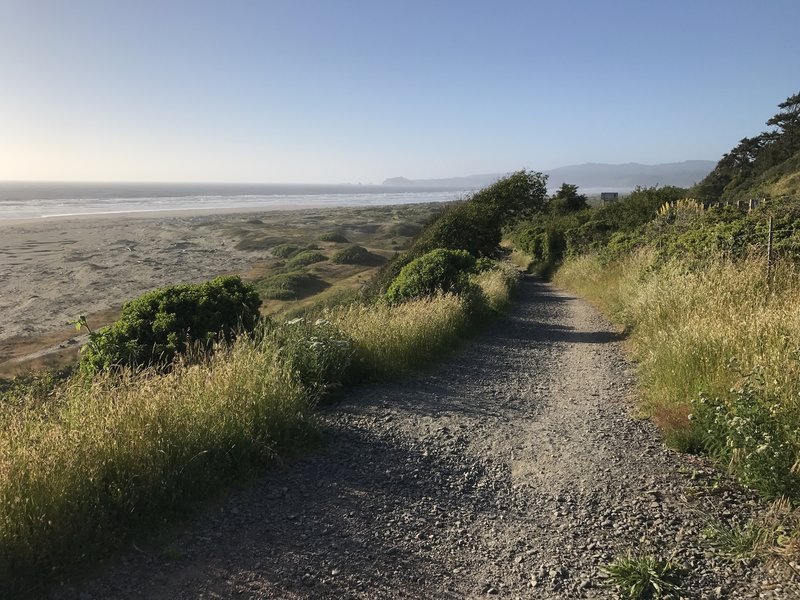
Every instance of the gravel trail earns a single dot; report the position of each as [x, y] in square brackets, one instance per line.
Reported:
[513, 470]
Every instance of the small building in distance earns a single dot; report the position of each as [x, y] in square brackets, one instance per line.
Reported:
[609, 197]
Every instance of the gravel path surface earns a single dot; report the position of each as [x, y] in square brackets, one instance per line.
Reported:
[514, 470]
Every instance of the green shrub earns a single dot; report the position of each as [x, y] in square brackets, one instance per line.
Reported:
[286, 250]
[157, 326]
[485, 264]
[440, 270]
[333, 236]
[356, 255]
[290, 286]
[254, 242]
[305, 258]
[403, 229]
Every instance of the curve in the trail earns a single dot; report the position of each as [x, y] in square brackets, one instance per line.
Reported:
[514, 469]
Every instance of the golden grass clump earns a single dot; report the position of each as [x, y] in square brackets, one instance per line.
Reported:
[684, 205]
[497, 285]
[130, 448]
[391, 340]
[521, 259]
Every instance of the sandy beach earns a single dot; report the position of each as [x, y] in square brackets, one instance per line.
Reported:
[52, 270]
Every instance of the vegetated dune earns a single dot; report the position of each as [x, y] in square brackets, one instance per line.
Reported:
[54, 270]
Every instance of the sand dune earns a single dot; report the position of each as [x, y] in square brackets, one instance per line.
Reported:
[53, 270]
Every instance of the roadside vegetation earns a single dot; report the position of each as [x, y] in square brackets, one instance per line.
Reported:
[190, 389]
[712, 308]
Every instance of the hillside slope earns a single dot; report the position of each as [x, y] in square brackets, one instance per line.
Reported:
[782, 180]
[766, 164]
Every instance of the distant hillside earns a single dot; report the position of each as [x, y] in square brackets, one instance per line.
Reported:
[468, 182]
[589, 176]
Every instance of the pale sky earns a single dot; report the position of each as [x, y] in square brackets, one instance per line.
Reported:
[358, 91]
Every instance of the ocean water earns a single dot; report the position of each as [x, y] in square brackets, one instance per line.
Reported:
[33, 200]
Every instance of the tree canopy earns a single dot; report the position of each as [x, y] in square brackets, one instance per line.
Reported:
[737, 170]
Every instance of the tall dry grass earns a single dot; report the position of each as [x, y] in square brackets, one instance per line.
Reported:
[77, 473]
[720, 331]
[392, 340]
[497, 285]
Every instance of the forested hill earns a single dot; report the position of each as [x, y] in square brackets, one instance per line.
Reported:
[766, 165]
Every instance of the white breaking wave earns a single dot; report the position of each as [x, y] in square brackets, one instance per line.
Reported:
[32, 207]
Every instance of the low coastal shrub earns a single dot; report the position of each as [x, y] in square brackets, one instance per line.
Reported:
[160, 324]
[290, 286]
[287, 250]
[403, 229]
[748, 429]
[254, 242]
[333, 236]
[437, 271]
[130, 448]
[305, 258]
[356, 255]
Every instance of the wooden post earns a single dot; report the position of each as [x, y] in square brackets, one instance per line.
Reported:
[769, 255]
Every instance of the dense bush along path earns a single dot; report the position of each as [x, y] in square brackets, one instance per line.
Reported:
[514, 469]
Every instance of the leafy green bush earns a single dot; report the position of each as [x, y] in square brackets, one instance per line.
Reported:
[439, 270]
[286, 250]
[254, 241]
[305, 258]
[475, 224]
[333, 236]
[356, 255]
[484, 264]
[158, 325]
[290, 286]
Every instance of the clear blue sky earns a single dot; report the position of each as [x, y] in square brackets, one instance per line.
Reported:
[338, 90]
